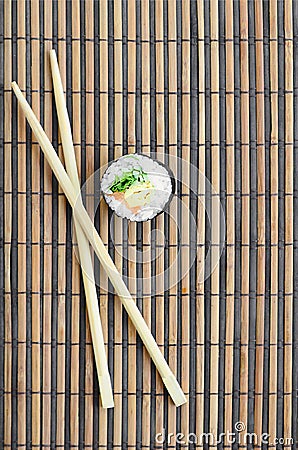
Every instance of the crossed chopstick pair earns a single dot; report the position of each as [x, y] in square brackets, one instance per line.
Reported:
[85, 231]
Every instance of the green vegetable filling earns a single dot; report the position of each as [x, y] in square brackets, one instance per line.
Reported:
[121, 184]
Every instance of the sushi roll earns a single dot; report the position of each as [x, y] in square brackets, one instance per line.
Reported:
[137, 187]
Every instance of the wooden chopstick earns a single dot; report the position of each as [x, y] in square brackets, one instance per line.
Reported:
[104, 380]
[83, 218]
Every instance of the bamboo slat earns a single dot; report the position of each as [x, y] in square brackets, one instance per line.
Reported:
[160, 136]
[103, 159]
[48, 252]
[35, 233]
[200, 326]
[173, 233]
[215, 179]
[289, 155]
[145, 48]
[75, 299]
[22, 239]
[89, 86]
[132, 230]
[61, 306]
[7, 228]
[230, 213]
[185, 190]
[260, 300]
[118, 229]
[245, 226]
[274, 219]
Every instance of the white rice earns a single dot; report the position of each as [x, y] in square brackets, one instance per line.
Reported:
[157, 175]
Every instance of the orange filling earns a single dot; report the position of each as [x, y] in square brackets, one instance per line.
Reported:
[119, 196]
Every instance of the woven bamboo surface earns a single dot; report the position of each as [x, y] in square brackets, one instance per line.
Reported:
[214, 83]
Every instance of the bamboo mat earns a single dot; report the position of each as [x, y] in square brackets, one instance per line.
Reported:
[214, 83]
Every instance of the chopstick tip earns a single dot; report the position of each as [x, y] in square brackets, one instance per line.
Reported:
[18, 93]
[53, 53]
[15, 87]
